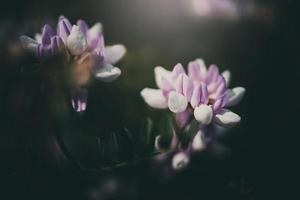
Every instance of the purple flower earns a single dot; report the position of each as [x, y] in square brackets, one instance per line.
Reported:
[86, 47]
[46, 44]
[79, 99]
[202, 92]
[78, 39]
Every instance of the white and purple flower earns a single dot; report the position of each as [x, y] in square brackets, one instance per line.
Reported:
[202, 92]
[87, 50]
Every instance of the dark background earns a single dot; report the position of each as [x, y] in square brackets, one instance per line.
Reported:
[259, 44]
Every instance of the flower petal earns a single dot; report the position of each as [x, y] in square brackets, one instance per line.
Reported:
[56, 44]
[167, 85]
[226, 118]
[47, 33]
[184, 86]
[162, 78]
[204, 94]
[63, 28]
[221, 89]
[177, 102]
[79, 99]
[180, 161]
[195, 100]
[94, 31]
[212, 74]
[198, 142]
[83, 26]
[234, 96]
[107, 73]
[38, 37]
[182, 118]
[177, 70]
[203, 114]
[154, 98]
[29, 43]
[43, 50]
[114, 53]
[197, 70]
[76, 41]
[227, 75]
[218, 104]
[95, 35]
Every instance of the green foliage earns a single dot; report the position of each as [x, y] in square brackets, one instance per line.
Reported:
[145, 140]
[188, 133]
[166, 132]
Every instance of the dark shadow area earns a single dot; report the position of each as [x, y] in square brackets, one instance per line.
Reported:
[258, 41]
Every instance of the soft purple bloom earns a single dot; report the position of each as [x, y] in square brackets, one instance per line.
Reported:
[76, 41]
[202, 92]
[79, 40]
[46, 44]
[64, 28]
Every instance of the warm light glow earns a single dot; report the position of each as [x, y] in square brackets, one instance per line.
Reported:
[213, 8]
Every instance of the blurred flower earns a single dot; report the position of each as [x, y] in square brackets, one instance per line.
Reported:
[79, 99]
[203, 92]
[180, 160]
[86, 49]
[198, 142]
[46, 44]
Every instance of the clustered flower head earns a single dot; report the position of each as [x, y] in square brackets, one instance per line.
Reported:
[86, 49]
[202, 92]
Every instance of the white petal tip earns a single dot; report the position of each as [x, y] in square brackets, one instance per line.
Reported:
[198, 142]
[115, 53]
[154, 98]
[76, 42]
[108, 73]
[227, 75]
[28, 43]
[226, 118]
[177, 103]
[203, 114]
[235, 96]
[180, 161]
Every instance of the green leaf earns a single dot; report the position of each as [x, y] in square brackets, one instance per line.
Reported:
[113, 147]
[187, 135]
[125, 144]
[148, 131]
[144, 142]
[166, 132]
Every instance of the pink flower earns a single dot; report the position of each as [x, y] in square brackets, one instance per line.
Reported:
[88, 54]
[202, 92]
[78, 40]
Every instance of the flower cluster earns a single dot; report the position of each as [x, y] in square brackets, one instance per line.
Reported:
[85, 47]
[201, 95]
[202, 92]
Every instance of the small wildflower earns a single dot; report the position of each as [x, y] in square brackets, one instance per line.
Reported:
[87, 52]
[202, 92]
